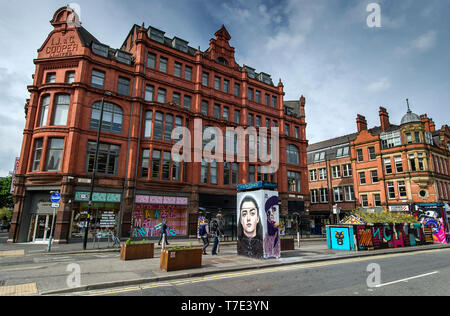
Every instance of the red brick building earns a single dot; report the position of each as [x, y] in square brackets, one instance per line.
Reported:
[149, 86]
[389, 167]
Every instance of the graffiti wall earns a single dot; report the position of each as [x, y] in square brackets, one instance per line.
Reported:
[147, 220]
[377, 236]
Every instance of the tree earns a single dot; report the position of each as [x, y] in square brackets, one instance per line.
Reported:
[6, 199]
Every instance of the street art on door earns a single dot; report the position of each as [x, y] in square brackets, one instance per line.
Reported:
[342, 237]
[147, 219]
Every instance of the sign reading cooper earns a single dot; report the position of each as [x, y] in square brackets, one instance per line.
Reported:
[62, 46]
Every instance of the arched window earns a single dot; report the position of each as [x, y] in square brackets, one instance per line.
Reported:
[222, 60]
[293, 155]
[112, 117]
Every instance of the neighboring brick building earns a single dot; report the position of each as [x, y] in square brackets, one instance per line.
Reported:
[392, 167]
[150, 85]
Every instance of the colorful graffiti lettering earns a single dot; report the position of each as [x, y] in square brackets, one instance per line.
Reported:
[147, 220]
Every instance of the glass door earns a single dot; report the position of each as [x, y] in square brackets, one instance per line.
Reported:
[42, 227]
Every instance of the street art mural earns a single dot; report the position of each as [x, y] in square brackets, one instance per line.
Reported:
[342, 238]
[147, 220]
[435, 217]
[258, 224]
[377, 236]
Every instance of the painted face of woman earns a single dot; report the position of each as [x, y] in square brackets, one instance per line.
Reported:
[249, 218]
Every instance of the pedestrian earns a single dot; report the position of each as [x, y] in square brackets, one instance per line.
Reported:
[203, 232]
[163, 233]
[217, 231]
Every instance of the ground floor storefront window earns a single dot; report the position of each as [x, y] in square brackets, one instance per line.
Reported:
[149, 212]
[104, 219]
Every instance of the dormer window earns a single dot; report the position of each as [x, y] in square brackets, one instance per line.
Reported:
[180, 44]
[99, 49]
[156, 35]
[250, 72]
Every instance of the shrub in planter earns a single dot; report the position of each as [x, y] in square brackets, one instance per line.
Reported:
[179, 258]
[137, 250]
[287, 244]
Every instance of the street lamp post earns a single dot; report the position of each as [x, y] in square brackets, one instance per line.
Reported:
[99, 130]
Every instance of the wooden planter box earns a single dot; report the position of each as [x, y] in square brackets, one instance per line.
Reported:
[135, 252]
[287, 244]
[173, 260]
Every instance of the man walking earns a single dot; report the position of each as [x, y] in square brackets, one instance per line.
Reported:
[163, 233]
[216, 229]
[203, 232]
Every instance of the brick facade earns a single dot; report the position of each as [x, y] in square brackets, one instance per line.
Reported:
[393, 166]
[154, 84]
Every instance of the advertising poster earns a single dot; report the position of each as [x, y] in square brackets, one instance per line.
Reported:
[258, 221]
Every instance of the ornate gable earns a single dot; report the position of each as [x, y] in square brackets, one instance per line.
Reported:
[220, 49]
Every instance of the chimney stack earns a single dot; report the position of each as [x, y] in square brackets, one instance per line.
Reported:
[432, 126]
[384, 119]
[361, 123]
[426, 121]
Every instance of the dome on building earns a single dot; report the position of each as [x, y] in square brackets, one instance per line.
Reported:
[410, 117]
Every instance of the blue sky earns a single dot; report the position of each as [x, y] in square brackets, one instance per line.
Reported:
[322, 49]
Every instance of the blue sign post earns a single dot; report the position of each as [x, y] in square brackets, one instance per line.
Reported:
[55, 198]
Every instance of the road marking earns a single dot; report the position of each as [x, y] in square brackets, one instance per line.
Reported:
[22, 268]
[19, 290]
[255, 272]
[12, 253]
[407, 279]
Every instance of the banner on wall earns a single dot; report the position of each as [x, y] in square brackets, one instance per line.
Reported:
[258, 221]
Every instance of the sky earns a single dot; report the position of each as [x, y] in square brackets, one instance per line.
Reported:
[322, 49]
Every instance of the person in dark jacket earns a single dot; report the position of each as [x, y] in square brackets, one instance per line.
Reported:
[163, 233]
[217, 231]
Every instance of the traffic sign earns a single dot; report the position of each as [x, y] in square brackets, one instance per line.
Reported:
[55, 197]
[55, 205]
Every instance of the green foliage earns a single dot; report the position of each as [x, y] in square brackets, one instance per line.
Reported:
[182, 247]
[4, 211]
[386, 217]
[137, 242]
[6, 199]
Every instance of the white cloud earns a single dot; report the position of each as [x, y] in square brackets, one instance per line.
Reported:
[379, 85]
[420, 44]
[425, 41]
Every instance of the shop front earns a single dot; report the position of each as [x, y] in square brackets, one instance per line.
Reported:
[104, 214]
[211, 205]
[151, 210]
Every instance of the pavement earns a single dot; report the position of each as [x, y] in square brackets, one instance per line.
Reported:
[28, 269]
